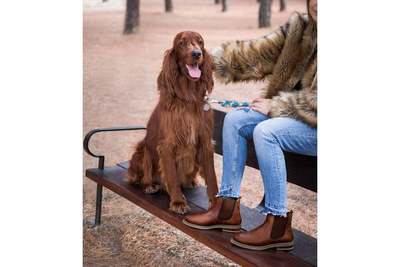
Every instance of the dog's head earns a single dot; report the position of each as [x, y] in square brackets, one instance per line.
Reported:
[189, 49]
[189, 59]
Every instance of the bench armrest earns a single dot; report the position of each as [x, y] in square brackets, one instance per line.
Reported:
[113, 129]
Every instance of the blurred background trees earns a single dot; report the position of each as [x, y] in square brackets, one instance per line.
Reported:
[264, 13]
[282, 5]
[132, 14]
[168, 6]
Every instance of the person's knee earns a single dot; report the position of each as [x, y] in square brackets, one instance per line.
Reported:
[264, 133]
[233, 119]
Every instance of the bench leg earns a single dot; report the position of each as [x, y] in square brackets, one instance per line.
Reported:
[99, 198]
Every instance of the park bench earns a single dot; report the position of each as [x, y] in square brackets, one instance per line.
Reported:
[301, 170]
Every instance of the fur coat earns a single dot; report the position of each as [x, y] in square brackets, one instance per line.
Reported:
[287, 58]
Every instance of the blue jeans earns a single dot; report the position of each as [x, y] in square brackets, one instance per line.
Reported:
[271, 136]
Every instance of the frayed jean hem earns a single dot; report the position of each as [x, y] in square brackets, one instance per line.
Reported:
[227, 192]
[268, 210]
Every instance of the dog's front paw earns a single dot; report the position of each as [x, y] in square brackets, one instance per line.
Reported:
[132, 179]
[151, 189]
[179, 207]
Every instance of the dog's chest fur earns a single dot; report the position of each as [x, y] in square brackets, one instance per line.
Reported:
[190, 123]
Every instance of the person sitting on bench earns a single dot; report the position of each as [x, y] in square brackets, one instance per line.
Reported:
[285, 119]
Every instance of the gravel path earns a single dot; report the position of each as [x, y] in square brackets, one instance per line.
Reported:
[120, 89]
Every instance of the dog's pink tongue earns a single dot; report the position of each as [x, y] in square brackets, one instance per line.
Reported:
[194, 71]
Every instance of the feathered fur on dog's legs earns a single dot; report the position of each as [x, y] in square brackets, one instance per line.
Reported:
[169, 176]
[149, 185]
[135, 170]
[206, 162]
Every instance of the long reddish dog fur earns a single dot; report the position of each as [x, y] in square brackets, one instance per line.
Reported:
[177, 146]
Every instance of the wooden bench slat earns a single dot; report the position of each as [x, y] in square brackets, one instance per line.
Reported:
[113, 179]
[301, 170]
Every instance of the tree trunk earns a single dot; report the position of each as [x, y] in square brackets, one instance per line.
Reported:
[217, 2]
[264, 14]
[283, 5]
[131, 16]
[224, 6]
[168, 6]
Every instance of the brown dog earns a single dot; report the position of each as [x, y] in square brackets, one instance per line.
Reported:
[177, 145]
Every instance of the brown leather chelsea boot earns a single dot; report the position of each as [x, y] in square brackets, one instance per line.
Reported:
[224, 214]
[275, 232]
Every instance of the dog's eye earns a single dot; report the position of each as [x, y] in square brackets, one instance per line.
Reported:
[182, 43]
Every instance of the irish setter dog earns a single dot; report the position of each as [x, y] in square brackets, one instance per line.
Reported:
[177, 146]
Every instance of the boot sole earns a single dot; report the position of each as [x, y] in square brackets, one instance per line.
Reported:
[277, 246]
[224, 227]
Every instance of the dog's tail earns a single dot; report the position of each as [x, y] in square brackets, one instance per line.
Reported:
[135, 170]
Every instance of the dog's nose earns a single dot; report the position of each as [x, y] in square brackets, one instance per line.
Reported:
[196, 54]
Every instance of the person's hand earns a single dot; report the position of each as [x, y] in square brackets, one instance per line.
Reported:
[261, 105]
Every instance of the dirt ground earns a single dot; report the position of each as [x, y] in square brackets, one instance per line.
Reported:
[120, 89]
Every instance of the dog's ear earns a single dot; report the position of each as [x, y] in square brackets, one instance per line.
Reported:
[207, 71]
[168, 77]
